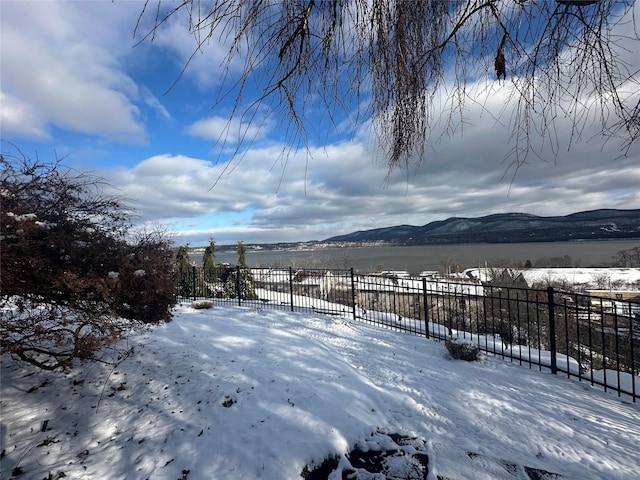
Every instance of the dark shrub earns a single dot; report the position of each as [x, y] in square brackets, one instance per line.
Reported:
[463, 350]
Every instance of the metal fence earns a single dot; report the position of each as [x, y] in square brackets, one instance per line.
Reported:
[594, 339]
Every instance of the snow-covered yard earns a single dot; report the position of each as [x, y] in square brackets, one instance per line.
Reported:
[239, 393]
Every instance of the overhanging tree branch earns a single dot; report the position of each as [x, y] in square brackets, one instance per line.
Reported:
[395, 57]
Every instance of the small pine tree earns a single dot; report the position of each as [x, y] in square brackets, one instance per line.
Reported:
[184, 271]
[242, 254]
[209, 263]
[240, 280]
[227, 281]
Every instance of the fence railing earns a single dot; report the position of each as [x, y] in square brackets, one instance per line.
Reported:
[594, 339]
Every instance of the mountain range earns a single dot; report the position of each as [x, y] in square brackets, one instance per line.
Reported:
[601, 224]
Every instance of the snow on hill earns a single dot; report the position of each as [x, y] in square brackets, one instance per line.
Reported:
[236, 393]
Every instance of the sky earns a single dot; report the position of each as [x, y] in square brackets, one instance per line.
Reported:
[253, 393]
[76, 84]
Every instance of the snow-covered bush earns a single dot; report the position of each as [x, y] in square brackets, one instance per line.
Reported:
[461, 350]
[202, 304]
[145, 288]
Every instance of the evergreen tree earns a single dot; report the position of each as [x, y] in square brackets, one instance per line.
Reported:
[182, 260]
[242, 254]
[209, 263]
[240, 281]
[184, 271]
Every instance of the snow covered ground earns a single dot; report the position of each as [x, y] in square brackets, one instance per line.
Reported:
[240, 393]
[622, 278]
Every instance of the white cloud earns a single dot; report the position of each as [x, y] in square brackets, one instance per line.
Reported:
[205, 66]
[219, 129]
[19, 118]
[61, 64]
[152, 101]
[341, 190]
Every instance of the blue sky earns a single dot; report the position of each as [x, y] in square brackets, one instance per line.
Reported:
[73, 84]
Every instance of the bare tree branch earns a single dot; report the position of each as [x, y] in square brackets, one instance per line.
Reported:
[388, 62]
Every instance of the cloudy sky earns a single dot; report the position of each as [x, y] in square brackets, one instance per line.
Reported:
[74, 85]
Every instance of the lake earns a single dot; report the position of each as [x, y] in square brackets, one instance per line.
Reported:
[415, 259]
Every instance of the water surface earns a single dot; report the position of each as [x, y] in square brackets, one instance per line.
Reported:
[415, 259]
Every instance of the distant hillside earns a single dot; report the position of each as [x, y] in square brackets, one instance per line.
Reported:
[509, 228]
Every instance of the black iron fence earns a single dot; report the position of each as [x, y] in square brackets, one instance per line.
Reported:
[594, 339]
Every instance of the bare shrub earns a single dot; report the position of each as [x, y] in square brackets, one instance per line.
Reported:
[69, 275]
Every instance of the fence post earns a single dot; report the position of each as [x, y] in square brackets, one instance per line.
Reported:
[238, 285]
[291, 287]
[552, 330]
[425, 305]
[632, 336]
[193, 278]
[353, 294]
